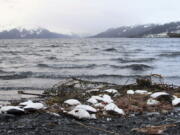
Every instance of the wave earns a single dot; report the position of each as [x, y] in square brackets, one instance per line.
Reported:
[73, 66]
[140, 67]
[108, 76]
[54, 75]
[170, 54]
[51, 58]
[134, 60]
[11, 76]
[2, 71]
[21, 88]
[110, 50]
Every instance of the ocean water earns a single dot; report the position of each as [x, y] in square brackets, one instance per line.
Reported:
[36, 64]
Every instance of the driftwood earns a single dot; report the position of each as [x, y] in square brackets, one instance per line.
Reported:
[34, 94]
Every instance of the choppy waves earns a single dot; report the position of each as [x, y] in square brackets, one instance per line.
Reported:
[111, 60]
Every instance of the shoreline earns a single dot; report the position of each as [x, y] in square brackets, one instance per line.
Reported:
[55, 119]
[6, 96]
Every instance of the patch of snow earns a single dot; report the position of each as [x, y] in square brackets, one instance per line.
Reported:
[130, 92]
[86, 107]
[152, 102]
[141, 92]
[158, 94]
[72, 102]
[124, 30]
[115, 108]
[112, 91]
[38, 31]
[31, 32]
[80, 113]
[147, 26]
[160, 35]
[93, 90]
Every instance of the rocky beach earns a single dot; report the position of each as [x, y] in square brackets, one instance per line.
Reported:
[75, 106]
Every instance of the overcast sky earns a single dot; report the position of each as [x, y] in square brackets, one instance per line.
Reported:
[86, 16]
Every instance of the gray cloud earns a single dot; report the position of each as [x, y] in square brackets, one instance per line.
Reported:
[86, 16]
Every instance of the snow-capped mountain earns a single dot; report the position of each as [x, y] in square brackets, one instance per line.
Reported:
[22, 33]
[138, 31]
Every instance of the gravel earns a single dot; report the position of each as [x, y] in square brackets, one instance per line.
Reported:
[48, 124]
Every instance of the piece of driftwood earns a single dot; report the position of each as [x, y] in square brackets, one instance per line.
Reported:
[34, 94]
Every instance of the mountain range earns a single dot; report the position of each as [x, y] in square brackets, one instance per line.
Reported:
[22, 33]
[140, 31]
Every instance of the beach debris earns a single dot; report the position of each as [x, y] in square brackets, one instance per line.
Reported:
[100, 105]
[30, 105]
[152, 101]
[71, 86]
[106, 98]
[34, 106]
[54, 114]
[26, 103]
[87, 108]
[142, 92]
[130, 92]
[77, 95]
[12, 110]
[114, 108]
[176, 101]
[102, 98]
[111, 91]
[72, 102]
[158, 94]
[92, 100]
[154, 130]
[93, 91]
[144, 82]
[162, 96]
[34, 94]
[80, 114]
